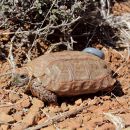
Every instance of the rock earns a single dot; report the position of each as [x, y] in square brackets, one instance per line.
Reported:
[23, 103]
[38, 103]
[6, 118]
[92, 124]
[57, 109]
[64, 107]
[46, 109]
[70, 106]
[18, 116]
[73, 124]
[53, 109]
[106, 98]
[14, 97]
[78, 102]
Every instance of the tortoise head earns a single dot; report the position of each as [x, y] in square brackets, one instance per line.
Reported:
[20, 79]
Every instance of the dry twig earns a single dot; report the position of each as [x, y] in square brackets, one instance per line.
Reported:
[116, 120]
[58, 118]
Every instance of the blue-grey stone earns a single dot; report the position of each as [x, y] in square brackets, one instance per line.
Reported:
[95, 52]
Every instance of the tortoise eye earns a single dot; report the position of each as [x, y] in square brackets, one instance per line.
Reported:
[20, 79]
[23, 76]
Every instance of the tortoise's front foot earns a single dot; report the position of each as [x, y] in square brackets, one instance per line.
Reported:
[45, 95]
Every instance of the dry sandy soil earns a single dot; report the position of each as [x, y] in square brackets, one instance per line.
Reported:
[100, 111]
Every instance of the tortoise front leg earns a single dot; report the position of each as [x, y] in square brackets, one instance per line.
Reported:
[42, 93]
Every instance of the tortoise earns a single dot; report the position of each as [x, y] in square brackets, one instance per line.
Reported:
[66, 73]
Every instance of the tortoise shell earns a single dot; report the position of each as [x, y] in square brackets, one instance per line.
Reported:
[70, 73]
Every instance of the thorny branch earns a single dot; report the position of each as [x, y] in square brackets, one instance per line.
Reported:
[42, 29]
[47, 19]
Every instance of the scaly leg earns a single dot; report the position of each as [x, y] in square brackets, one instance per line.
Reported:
[45, 95]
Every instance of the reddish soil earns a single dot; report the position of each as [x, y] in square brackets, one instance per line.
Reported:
[20, 111]
[101, 111]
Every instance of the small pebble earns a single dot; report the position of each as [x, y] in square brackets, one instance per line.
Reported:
[14, 97]
[64, 107]
[106, 98]
[18, 116]
[24, 102]
[52, 109]
[78, 102]
[70, 106]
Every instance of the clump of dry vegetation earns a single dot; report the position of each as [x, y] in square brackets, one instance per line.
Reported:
[35, 27]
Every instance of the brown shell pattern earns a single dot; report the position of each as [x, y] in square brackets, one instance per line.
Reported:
[70, 73]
